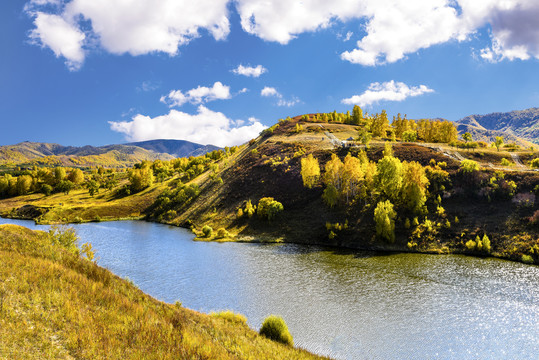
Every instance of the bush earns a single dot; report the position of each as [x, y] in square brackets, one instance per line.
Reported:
[527, 259]
[207, 231]
[534, 163]
[275, 328]
[268, 208]
[506, 162]
[221, 233]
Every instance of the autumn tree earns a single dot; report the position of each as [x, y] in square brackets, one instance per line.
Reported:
[414, 186]
[24, 184]
[76, 176]
[352, 177]
[467, 137]
[357, 115]
[384, 217]
[333, 172]
[268, 208]
[141, 178]
[498, 142]
[310, 171]
[389, 177]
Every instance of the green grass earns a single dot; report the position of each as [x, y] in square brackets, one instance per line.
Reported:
[55, 305]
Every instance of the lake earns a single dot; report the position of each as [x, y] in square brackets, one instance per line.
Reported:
[346, 304]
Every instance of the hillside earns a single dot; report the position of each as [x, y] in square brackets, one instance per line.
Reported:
[490, 195]
[119, 155]
[55, 304]
[521, 123]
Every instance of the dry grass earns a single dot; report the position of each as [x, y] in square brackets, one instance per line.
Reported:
[54, 305]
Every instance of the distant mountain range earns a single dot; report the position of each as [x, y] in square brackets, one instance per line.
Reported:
[520, 126]
[176, 148]
[118, 155]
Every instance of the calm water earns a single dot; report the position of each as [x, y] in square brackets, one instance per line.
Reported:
[349, 305]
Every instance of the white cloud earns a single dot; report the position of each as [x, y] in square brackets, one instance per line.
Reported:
[514, 27]
[61, 37]
[204, 127]
[270, 91]
[396, 28]
[199, 95]
[392, 28]
[387, 91]
[135, 26]
[250, 71]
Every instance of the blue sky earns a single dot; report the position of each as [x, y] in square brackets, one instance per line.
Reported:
[98, 72]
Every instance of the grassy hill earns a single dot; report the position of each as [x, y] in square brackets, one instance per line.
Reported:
[57, 305]
[498, 200]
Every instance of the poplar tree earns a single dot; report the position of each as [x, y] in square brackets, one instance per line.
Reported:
[310, 171]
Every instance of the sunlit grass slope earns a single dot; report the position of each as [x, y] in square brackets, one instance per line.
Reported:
[55, 305]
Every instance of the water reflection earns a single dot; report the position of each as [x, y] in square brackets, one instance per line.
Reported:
[347, 304]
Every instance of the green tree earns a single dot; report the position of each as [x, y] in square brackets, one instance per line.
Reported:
[59, 174]
[65, 186]
[76, 176]
[310, 171]
[24, 184]
[409, 136]
[141, 178]
[365, 137]
[46, 189]
[389, 177]
[498, 142]
[384, 217]
[467, 137]
[357, 115]
[268, 208]
[414, 187]
[93, 187]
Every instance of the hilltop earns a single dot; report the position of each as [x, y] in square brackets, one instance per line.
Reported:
[449, 196]
[56, 304]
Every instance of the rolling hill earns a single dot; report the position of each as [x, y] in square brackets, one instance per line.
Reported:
[117, 155]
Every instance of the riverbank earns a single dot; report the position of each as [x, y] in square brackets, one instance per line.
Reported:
[54, 304]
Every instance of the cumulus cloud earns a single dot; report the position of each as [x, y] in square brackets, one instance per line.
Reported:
[514, 27]
[62, 37]
[199, 95]
[272, 92]
[396, 28]
[135, 27]
[204, 127]
[391, 29]
[250, 71]
[387, 91]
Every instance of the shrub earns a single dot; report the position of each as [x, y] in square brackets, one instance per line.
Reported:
[275, 328]
[506, 162]
[470, 244]
[230, 316]
[268, 208]
[534, 163]
[207, 231]
[486, 243]
[527, 259]
[221, 233]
